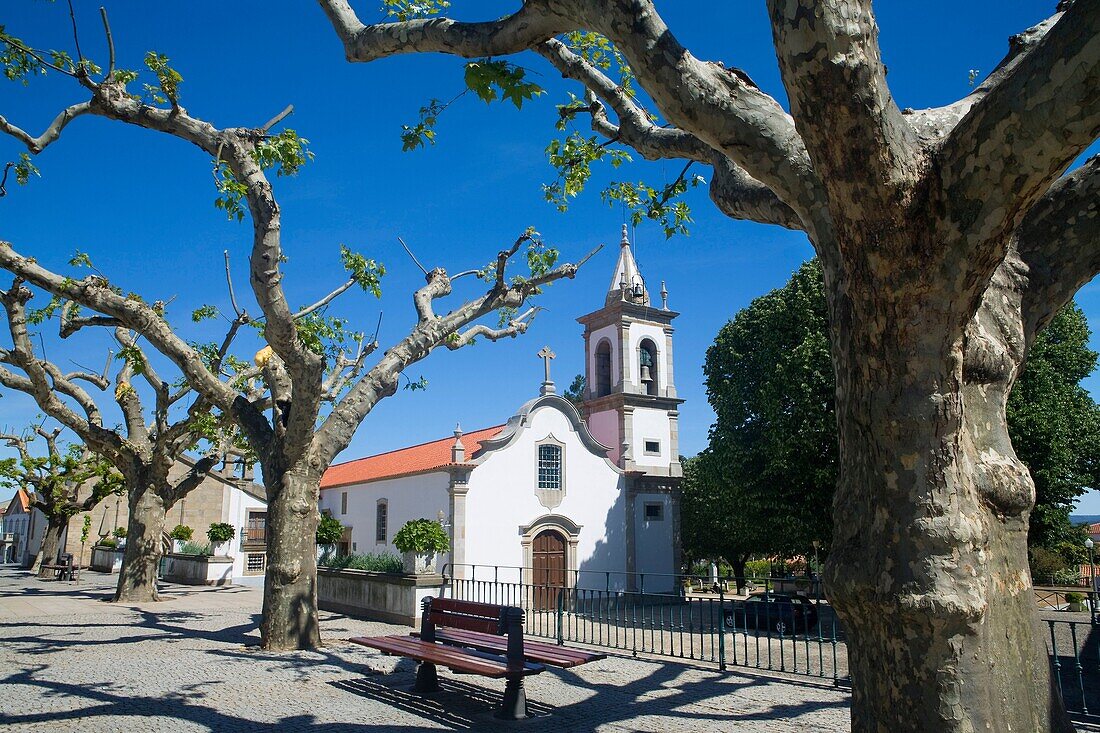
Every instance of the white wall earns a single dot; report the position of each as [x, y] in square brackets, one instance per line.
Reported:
[654, 425]
[235, 507]
[421, 496]
[653, 543]
[502, 498]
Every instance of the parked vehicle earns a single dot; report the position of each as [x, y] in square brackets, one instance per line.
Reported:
[782, 613]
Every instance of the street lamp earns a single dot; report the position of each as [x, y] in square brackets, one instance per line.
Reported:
[1089, 544]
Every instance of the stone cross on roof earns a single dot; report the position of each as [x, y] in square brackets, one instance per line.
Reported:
[546, 355]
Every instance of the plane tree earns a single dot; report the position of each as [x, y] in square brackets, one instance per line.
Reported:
[312, 397]
[948, 237]
[160, 423]
[64, 480]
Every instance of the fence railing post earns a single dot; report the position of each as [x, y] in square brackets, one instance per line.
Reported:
[561, 616]
[721, 627]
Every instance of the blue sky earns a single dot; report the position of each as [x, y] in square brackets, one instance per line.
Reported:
[141, 203]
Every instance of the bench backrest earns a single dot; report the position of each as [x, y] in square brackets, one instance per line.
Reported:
[485, 618]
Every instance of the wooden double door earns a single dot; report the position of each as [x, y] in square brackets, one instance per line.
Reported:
[547, 568]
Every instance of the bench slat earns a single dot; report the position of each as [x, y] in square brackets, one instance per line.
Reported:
[448, 656]
[545, 653]
[461, 621]
[470, 608]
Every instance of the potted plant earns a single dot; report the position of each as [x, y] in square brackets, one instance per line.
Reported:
[181, 534]
[109, 543]
[1076, 602]
[419, 541]
[120, 536]
[329, 532]
[219, 533]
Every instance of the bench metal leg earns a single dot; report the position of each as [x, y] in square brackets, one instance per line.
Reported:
[426, 678]
[514, 705]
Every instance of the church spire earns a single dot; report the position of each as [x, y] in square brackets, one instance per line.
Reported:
[627, 283]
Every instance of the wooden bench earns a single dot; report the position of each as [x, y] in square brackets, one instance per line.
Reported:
[503, 622]
[64, 568]
[533, 651]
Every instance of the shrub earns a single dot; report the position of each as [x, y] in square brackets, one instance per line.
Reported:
[381, 563]
[329, 531]
[181, 532]
[758, 568]
[422, 536]
[194, 548]
[1069, 576]
[108, 542]
[220, 532]
[1044, 564]
[120, 533]
[1075, 597]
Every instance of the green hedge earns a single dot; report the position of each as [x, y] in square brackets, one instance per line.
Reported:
[382, 562]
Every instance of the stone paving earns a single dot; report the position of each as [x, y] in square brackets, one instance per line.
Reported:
[69, 661]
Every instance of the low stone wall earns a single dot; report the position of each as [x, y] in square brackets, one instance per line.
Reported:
[376, 596]
[107, 559]
[198, 569]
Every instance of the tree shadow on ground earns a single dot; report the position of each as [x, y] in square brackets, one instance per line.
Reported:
[662, 694]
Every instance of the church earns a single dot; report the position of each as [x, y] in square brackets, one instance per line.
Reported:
[588, 497]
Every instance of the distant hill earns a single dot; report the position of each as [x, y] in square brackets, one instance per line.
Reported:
[1084, 518]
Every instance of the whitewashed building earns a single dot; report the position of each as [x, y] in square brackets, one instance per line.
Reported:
[587, 497]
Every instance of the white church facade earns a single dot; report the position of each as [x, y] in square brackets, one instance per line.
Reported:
[588, 498]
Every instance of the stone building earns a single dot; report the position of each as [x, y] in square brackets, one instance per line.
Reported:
[587, 497]
[222, 497]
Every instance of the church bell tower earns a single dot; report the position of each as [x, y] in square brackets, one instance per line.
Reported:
[630, 400]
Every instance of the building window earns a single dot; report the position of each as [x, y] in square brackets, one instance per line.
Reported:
[647, 367]
[603, 368]
[381, 520]
[550, 467]
[654, 511]
[254, 563]
[256, 529]
[653, 447]
[343, 502]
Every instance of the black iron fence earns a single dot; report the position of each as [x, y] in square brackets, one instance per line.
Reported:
[774, 624]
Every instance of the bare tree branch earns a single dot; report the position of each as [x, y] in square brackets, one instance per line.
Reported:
[532, 23]
[38, 144]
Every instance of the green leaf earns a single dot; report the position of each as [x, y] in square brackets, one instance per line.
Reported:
[366, 272]
[487, 78]
[402, 10]
[203, 313]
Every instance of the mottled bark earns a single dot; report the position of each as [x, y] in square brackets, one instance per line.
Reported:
[928, 567]
[290, 586]
[51, 544]
[137, 580]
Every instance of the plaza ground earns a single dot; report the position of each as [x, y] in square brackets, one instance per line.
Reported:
[70, 661]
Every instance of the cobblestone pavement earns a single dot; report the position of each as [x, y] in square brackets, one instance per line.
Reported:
[69, 661]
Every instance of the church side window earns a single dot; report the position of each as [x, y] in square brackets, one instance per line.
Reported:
[550, 467]
[381, 519]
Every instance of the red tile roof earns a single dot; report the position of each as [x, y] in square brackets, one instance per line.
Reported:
[21, 499]
[414, 459]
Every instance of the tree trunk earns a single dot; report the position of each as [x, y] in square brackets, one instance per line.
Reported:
[290, 583]
[929, 570]
[137, 580]
[51, 545]
[737, 562]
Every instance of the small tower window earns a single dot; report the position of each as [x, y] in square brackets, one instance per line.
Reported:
[550, 467]
[647, 367]
[603, 368]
